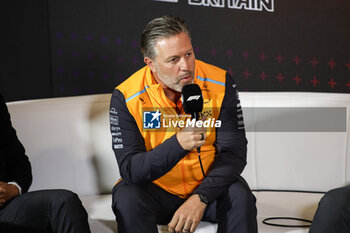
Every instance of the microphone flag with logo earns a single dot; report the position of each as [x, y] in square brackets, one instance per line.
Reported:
[192, 100]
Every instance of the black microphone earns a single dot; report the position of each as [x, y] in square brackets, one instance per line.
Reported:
[192, 102]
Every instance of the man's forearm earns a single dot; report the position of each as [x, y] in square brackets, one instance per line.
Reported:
[136, 164]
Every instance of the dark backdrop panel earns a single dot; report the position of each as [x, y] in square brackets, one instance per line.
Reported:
[94, 45]
[25, 67]
[301, 46]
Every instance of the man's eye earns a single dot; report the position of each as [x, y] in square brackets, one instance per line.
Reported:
[173, 60]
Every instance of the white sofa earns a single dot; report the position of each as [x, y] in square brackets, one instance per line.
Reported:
[69, 145]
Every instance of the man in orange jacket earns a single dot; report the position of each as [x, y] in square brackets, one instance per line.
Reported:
[163, 179]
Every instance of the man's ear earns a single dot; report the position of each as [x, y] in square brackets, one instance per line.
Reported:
[150, 63]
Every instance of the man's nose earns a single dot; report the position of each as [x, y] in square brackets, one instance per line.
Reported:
[184, 64]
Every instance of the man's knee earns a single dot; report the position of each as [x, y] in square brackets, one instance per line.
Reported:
[55, 196]
[60, 199]
[240, 194]
[128, 199]
[63, 196]
[238, 204]
[236, 209]
[336, 199]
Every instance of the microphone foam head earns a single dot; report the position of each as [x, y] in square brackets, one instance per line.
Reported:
[192, 99]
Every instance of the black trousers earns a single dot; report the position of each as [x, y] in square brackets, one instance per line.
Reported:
[333, 212]
[139, 208]
[58, 211]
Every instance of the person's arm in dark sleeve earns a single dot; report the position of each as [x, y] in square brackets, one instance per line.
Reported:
[12, 152]
[137, 165]
[231, 145]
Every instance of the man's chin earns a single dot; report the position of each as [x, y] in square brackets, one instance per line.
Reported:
[183, 82]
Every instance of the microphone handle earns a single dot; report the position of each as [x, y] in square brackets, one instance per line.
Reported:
[195, 115]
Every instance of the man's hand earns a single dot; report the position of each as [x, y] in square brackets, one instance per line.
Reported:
[192, 137]
[7, 191]
[188, 215]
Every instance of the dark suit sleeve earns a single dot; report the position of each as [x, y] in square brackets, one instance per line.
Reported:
[231, 145]
[136, 164]
[14, 163]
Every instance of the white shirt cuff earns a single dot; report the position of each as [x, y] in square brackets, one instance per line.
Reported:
[18, 187]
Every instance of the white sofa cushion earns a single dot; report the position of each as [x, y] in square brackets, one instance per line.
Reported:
[69, 145]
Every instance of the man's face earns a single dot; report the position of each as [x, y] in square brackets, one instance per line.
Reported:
[174, 63]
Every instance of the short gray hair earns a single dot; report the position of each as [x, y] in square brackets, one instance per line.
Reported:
[162, 27]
